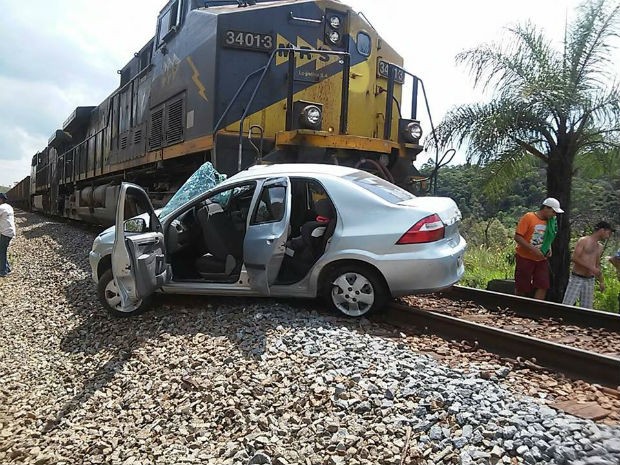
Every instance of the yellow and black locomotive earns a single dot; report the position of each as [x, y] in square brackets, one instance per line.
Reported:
[236, 83]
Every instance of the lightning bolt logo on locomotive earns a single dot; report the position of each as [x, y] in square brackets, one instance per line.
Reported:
[236, 83]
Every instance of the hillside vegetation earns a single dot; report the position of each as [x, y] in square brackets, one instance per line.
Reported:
[491, 213]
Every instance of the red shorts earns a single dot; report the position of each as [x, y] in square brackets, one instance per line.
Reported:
[530, 275]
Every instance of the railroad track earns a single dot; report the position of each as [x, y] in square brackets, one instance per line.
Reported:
[531, 308]
[524, 349]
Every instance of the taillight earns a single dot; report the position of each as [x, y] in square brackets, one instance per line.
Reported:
[429, 229]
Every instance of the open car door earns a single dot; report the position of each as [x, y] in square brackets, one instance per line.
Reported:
[265, 238]
[138, 257]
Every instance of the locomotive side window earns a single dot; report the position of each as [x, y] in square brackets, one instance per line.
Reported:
[168, 21]
[363, 44]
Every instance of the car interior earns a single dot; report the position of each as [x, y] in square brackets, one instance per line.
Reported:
[205, 242]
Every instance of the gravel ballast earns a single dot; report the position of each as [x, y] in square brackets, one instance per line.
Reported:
[231, 381]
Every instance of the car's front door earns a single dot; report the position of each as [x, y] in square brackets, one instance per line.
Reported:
[266, 235]
[138, 256]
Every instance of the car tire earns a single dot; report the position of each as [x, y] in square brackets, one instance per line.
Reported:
[107, 292]
[354, 290]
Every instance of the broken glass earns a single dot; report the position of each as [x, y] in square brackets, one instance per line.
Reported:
[204, 178]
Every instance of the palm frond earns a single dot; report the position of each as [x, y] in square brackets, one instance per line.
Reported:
[495, 127]
[605, 107]
[590, 43]
[599, 117]
[512, 67]
[597, 163]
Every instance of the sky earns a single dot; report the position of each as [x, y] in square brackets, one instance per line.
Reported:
[57, 55]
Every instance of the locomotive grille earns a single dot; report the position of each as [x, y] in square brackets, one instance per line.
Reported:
[137, 137]
[123, 142]
[174, 126]
[157, 129]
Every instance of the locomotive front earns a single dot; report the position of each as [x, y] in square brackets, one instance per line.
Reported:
[302, 81]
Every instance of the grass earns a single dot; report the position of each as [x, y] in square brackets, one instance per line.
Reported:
[608, 300]
[482, 264]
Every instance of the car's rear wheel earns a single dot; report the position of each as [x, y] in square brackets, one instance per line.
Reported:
[355, 290]
[110, 298]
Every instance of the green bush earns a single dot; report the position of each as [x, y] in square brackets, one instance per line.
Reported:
[482, 264]
[490, 252]
[608, 300]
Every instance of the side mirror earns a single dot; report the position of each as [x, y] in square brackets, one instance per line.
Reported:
[134, 225]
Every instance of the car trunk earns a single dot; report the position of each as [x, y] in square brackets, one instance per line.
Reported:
[443, 206]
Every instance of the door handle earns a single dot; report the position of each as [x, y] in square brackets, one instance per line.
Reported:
[153, 242]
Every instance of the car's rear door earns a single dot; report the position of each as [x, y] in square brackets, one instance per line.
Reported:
[266, 235]
[138, 256]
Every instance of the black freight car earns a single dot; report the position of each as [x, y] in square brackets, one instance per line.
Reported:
[236, 83]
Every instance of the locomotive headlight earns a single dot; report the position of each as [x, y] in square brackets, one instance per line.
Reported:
[413, 131]
[334, 37]
[334, 22]
[311, 117]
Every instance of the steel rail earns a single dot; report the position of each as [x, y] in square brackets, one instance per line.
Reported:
[533, 308]
[575, 363]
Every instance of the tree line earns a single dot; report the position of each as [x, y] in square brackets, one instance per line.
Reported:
[595, 196]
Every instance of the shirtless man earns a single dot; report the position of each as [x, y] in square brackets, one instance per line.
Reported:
[587, 267]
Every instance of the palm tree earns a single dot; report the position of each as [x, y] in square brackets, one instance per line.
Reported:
[554, 105]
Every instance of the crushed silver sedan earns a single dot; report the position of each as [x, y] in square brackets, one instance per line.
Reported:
[298, 230]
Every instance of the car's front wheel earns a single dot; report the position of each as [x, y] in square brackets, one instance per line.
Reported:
[110, 298]
[355, 290]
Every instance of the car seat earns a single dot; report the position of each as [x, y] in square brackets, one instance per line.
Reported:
[224, 248]
[308, 247]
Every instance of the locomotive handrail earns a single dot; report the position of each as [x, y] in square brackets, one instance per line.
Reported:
[292, 17]
[73, 150]
[392, 68]
[234, 99]
[113, 94]
[366, 19]
[344, 102]
[414, 99]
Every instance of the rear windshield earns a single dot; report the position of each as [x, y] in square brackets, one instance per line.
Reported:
[380, 187]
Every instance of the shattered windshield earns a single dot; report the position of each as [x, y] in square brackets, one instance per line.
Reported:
[203, 179]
